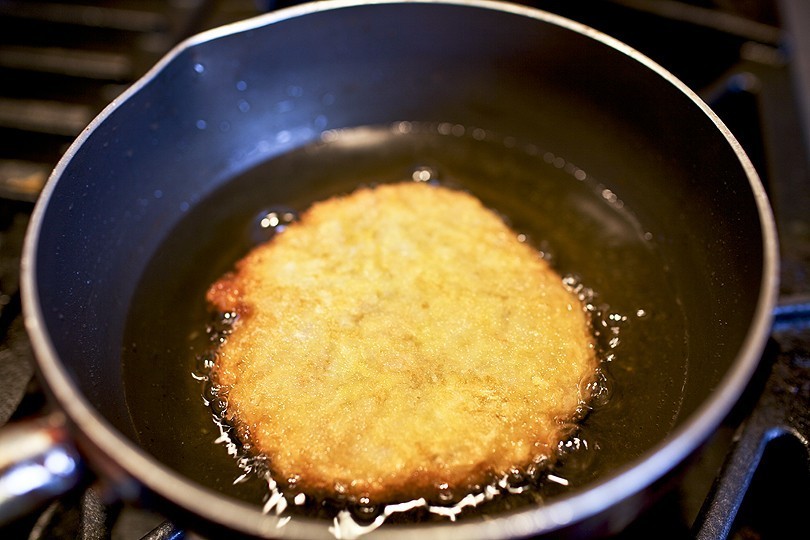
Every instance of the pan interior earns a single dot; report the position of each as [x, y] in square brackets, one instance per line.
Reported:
[586, 230]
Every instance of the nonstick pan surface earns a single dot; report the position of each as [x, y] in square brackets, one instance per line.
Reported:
[601, 158]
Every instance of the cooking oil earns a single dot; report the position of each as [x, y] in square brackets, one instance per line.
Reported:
[580, 225]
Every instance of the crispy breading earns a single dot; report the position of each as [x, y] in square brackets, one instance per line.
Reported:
[397, 339]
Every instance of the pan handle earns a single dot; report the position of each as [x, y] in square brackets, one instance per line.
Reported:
[37, 463]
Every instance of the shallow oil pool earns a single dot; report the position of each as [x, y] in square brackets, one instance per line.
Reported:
[579, 224]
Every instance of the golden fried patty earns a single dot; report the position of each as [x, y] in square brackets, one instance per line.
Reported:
[398, 341]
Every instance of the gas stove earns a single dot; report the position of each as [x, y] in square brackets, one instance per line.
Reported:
[61, 62]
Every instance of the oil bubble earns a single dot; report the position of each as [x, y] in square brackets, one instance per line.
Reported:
[220, 326]
[423, 174]
[219, 405]
[578, 454]
[585, 294]
[599, 390]
[445, 494]
[204, 364]
[211, 392]
[364, 510]
[270, 222]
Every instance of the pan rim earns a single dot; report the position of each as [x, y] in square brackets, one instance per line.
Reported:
[578, 506]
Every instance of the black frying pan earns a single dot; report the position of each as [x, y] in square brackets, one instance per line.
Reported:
[603, 159]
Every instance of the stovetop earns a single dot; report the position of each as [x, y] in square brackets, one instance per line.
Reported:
[61, 62]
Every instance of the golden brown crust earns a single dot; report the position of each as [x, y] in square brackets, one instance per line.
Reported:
[398, 339]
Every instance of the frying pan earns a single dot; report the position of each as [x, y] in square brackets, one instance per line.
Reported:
[606, 161]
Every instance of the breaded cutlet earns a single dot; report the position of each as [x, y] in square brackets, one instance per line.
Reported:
[399, 342]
